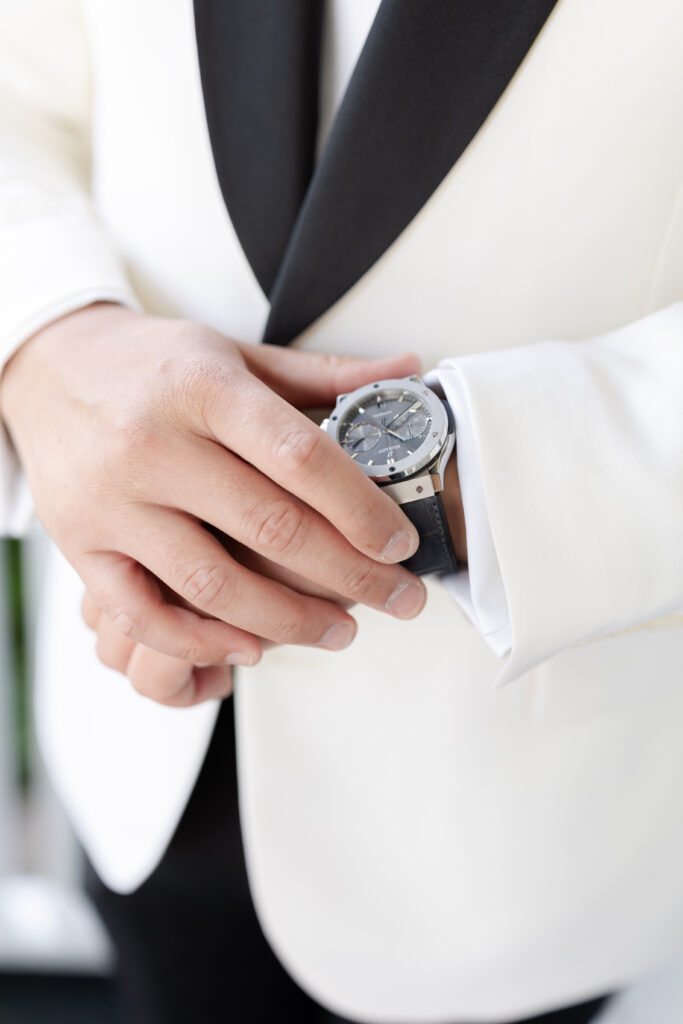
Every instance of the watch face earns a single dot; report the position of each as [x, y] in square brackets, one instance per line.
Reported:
[390, 429]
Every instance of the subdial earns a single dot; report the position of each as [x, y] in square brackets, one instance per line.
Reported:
[405, 429]
[361, 437]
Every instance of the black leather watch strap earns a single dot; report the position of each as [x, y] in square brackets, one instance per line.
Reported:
[435, 553]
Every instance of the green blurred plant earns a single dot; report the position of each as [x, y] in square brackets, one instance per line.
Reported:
[17, 657]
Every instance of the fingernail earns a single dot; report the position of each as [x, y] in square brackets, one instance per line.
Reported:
[240, 658]
[407, 600]
[402, 545]
[337, 637]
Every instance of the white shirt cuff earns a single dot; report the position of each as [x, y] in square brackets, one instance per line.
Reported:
[478, 590]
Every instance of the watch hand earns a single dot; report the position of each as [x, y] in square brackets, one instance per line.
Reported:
[393, 433]
[402, 415]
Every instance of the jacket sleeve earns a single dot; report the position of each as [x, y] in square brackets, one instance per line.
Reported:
[54, 254]
[570, 457]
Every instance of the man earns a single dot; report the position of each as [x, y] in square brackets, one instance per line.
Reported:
[482, 178]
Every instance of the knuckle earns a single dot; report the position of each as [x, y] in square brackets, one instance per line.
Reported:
[134, 435]
[192, 649]
[334, 367]
[193, 374]
[365, 521]
[207, 584]
[359, 580]
[298, 449]
[278, 527]
[194, 383]
[126, 622]
[291, 630]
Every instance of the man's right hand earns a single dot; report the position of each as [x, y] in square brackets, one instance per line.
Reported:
[133, 430]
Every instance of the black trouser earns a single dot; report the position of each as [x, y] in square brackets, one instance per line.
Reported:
[189, 945]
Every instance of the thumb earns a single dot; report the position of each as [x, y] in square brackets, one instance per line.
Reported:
[307, 379]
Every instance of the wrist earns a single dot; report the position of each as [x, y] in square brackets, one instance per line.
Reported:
[17, 374]
[455, 515]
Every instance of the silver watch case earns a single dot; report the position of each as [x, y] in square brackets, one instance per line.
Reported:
[425, 467]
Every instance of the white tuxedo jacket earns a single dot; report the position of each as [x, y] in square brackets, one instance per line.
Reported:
[423, 843]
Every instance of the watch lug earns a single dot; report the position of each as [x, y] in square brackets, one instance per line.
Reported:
[424, 485]
[438, 467]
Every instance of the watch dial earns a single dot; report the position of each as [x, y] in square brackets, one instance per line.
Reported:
[385, 427]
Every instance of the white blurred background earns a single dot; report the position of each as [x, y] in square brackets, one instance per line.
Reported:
[46, 922]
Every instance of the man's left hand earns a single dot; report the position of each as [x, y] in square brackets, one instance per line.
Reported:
[215, 681]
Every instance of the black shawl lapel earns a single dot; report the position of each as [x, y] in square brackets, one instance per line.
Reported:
[429, 75]
[259, 64]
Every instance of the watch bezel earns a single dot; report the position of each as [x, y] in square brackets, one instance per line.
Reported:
[428, 450]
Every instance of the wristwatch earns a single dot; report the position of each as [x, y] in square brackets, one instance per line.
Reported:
[401, 433]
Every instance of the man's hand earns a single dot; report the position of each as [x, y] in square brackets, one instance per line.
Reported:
[134, 430]
[185, 683]
[181, 682]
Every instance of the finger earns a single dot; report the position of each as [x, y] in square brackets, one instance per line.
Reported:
[316, 378]
[264, 566]
[244, 505]
[176, 683]
[286, 447]
[213, 682]
[113, 648]
[189, 560]
[132, 599]
[162, 678]
[89, 611]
